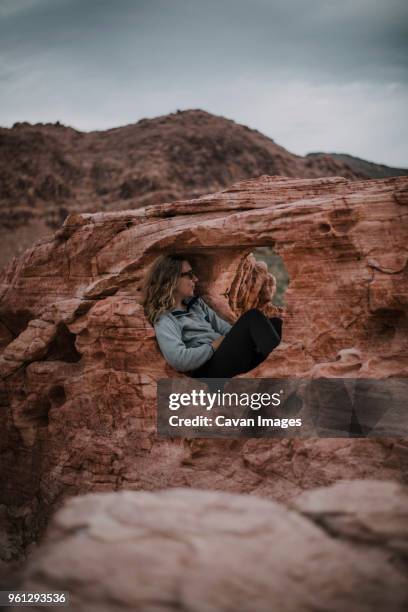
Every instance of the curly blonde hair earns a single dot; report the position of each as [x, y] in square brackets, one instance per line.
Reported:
[159, 286]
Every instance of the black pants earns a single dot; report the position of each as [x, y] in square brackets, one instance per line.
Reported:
[248, 343]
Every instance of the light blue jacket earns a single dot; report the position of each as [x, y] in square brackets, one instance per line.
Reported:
[185, 336]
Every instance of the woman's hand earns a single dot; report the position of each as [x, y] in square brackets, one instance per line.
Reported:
[216, 343]
[278, 309]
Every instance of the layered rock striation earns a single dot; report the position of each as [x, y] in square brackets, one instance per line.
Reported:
[80, 362]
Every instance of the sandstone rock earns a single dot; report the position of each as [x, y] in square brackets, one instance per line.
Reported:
[81, 362]
[31, 345]
[211, 551]
[365, 511]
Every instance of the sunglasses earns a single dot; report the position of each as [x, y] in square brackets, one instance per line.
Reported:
[190, 274]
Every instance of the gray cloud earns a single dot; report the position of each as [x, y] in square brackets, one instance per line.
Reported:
[97, 64]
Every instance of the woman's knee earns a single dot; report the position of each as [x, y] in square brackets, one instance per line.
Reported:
[277, 324]
[254, 319]
[254, 313]
[259, 318]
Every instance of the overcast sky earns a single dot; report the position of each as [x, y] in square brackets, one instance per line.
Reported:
[314, 75]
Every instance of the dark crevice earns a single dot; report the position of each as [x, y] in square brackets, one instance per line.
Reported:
[16, 322]
[324, 227]
[57, 395]
[84, 307]
[63, 348]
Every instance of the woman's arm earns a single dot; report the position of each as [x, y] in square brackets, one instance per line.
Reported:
[174, 350]
[218, 324]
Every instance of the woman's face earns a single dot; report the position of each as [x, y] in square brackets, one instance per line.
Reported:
[187, 281]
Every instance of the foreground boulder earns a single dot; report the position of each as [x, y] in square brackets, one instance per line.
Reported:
[194, 550]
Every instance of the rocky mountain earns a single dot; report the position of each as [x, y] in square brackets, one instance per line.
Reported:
[49, 170]
[369, 169]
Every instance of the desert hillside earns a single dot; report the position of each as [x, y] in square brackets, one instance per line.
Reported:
[49, 170]
[369, 169]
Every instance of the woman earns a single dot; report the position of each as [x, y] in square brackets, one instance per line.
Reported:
[192, 337]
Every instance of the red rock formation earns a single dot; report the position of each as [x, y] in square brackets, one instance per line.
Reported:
[80, 361]
[48, 170]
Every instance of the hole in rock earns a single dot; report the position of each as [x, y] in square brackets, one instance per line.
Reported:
[57, 395]
[324, 227]
[276, 267]
[62, 348]
[385, 322]
[209, 264]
